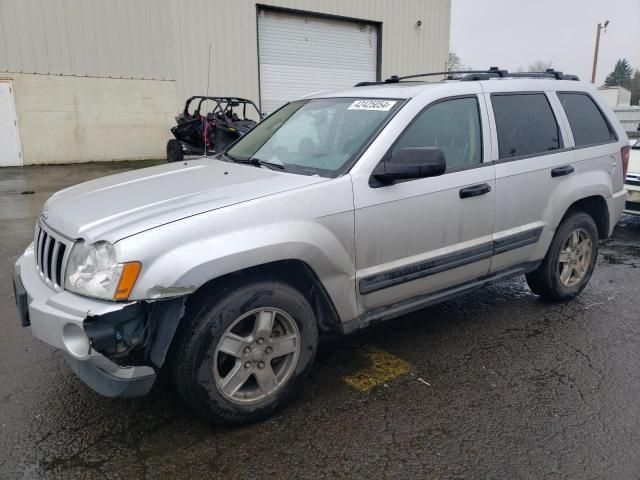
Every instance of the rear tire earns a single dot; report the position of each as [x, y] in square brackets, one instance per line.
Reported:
[570, 260]
[174, 151]
[243, 352]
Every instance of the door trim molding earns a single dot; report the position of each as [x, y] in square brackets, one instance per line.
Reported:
[516, 240]
[418, 270]
[425, 300]
[397, 276]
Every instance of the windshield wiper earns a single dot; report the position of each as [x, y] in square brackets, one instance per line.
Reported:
[273, 163]
[258, 162]
[230, 157]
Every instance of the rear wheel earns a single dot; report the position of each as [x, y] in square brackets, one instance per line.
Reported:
[243, 352]
[570, 260]
[174, 151]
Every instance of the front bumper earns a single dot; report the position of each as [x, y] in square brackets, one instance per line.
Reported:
[57, 318]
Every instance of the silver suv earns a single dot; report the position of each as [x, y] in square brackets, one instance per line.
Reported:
[339, 210]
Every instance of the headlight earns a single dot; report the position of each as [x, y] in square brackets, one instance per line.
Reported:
[92, 270]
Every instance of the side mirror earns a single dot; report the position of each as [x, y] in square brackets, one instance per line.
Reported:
[411, 162]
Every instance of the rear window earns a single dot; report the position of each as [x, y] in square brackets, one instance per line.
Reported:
[587, 123]
[526, 124]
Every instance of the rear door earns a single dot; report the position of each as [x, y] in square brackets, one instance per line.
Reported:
[532, 161]
[595, 140]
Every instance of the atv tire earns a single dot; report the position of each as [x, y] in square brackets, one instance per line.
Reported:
[174, 151]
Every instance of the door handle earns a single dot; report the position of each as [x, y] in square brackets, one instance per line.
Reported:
[560, 171]
[475, 190]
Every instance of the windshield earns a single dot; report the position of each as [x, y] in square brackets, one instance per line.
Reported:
[315, 137]
[636, 145]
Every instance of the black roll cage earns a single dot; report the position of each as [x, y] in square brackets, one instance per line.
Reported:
[222, 104]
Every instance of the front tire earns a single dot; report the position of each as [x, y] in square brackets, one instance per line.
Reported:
[570, 260]
[242, 353]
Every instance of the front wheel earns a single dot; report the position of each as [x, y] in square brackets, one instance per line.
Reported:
[243, 353]
[570, 260]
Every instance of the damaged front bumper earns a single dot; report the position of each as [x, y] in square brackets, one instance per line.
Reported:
[88, 332]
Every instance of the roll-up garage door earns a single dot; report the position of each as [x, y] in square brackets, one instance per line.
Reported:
[301, 54]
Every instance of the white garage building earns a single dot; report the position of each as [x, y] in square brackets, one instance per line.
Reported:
[92, 80]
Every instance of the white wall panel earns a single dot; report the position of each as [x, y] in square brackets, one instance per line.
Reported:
[77, 119]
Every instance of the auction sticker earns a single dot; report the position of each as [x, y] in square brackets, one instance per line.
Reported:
[372, 104]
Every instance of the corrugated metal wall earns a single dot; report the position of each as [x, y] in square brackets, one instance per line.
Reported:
[169, 39]
[96, 38]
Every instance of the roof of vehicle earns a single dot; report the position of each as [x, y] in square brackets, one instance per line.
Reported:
[407, 90]
[492, 80]
[410, 90]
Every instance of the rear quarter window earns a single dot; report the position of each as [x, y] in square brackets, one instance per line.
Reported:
[588, 124]
[526, 124]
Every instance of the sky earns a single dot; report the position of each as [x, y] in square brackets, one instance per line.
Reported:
[515, 33]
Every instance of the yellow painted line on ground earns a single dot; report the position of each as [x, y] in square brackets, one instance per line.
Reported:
[383, 367]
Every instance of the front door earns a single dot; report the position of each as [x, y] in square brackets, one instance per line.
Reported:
[10, 154]
[425, 235]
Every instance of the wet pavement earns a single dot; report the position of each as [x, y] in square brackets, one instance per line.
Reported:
[497, 384]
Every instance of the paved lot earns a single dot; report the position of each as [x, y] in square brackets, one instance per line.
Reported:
[493, 385]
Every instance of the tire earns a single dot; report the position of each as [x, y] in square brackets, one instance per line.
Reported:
[174, 151]
[207, 376]
[547, 280]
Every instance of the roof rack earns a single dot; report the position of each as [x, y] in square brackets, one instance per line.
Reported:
[471, 75]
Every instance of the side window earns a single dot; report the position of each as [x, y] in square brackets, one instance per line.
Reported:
[526, 124]
[586, 120]
[451, 125]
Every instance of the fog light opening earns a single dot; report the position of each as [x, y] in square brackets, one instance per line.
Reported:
[75, 340]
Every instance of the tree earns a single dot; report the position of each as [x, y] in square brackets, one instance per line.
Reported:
[455, 63]
[621, 75]
[540, 65]
[635, 88]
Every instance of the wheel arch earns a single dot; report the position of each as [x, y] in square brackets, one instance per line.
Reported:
[596, 207]
[296, 273]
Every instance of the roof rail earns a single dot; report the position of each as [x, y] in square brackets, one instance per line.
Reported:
[473, 75]
[549, 73]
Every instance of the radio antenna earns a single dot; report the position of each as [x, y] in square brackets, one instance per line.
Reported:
[206, 120]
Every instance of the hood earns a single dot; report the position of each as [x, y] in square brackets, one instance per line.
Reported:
[118, 206]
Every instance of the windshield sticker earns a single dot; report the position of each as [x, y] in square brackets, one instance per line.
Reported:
[378, 105]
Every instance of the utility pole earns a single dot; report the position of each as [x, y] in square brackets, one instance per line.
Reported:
[595, 53]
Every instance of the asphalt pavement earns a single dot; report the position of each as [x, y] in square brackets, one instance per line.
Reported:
[497, 384]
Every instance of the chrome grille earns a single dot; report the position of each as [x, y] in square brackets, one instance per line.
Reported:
[51, 252]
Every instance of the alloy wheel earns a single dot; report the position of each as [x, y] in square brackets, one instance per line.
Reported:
[575, 257]
[257, 355]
